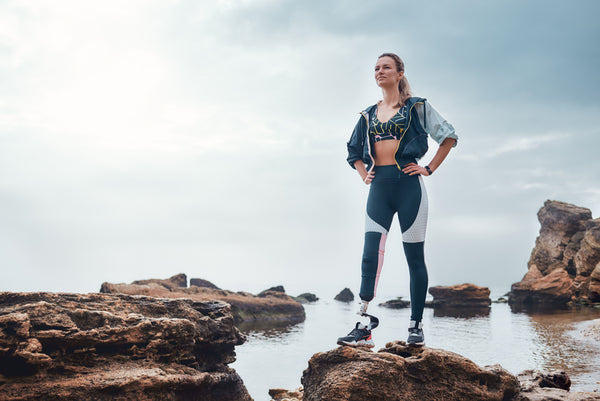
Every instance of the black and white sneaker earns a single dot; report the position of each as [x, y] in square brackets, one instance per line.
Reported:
[415, 333]
[360, 336]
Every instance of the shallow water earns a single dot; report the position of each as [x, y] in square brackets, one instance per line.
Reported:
[274, 356]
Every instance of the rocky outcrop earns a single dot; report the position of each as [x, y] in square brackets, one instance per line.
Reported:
[198, 282]
[462, 300]
[399, 373]
[306, 297]
[244, 306]
[397, 303]
[538, 386]
[565, 263]
[175, 282]
[116, 347]
[278, 394]
[402, 373]
[268, 291]
[345, 295]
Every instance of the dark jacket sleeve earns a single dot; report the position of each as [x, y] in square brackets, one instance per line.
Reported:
[356, 142]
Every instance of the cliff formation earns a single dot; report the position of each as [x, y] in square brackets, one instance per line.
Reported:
[270, 305]
[565, 263]
[116, 347]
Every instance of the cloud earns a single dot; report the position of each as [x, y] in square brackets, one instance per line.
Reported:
[149, 138]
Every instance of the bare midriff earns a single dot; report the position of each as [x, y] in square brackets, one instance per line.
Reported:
[385, 151]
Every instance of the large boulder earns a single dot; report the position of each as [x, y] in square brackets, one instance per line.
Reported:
[555, 288]
[116, 347]
[275, 306]
[562, 263]
[460, 296]
[399, 372]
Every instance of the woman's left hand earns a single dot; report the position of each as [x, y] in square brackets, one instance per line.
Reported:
[413, 169]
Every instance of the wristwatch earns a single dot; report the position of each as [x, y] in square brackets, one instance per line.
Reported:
[428, 170]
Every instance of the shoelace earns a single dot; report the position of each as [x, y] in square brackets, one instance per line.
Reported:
[357, 331]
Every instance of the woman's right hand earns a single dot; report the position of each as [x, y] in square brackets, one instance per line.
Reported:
[368, 178]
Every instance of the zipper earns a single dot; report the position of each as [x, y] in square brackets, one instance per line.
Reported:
[404, 133]
[368, 139]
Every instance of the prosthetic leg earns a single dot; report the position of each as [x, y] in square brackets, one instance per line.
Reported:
[360, 336]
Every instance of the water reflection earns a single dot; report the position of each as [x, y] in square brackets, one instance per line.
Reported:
[269, 329]
[560, 345]
[462, 312]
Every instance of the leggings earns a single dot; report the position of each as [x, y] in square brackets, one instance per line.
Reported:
[392, 192]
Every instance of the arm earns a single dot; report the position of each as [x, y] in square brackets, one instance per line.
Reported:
[440, 155]
[441, 131]
[367, 176]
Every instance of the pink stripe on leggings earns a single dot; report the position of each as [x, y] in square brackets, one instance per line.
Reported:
[379, 261]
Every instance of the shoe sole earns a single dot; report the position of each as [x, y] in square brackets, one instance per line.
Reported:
[416, 344]
[356, 344]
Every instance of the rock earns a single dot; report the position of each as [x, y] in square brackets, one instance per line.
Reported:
[397, 303]
[307, 297]
[271, 290]
[530, 379]
[274, 306]
[563, 260]
[177, 281]
[460, 296]
[555, 288]
[116, 347]
[588, 255]
[538, 386]
[501, 300]
[198, 282]
[278, 394]
[594, 285]
[560, 222]
[399, 372]
[345, 296]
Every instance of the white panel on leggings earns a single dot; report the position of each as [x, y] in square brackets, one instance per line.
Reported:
[416, 232]
[372, 226]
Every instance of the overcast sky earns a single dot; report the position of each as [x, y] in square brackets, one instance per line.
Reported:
[141, 139]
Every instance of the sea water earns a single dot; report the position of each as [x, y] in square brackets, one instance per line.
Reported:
[275, 354]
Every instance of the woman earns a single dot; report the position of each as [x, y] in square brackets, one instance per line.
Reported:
[388, 140]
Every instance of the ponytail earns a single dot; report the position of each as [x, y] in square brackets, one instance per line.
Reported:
[403, 85]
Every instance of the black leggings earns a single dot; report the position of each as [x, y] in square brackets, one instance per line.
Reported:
[392, 192]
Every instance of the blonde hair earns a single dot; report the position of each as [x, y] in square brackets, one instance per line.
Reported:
[403, 85]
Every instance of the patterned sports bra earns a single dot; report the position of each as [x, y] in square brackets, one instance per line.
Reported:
[391, 129]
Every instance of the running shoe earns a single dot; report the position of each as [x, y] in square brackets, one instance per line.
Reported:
[415, 333]
[360, 336]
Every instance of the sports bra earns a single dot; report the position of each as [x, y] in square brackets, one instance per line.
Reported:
[391, 129]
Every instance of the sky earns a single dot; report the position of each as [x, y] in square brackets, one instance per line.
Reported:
[142, 139]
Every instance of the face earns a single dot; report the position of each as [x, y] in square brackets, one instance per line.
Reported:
[386, 73]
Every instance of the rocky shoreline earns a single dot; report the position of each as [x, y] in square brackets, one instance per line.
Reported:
[162, 340]
[270, 305]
